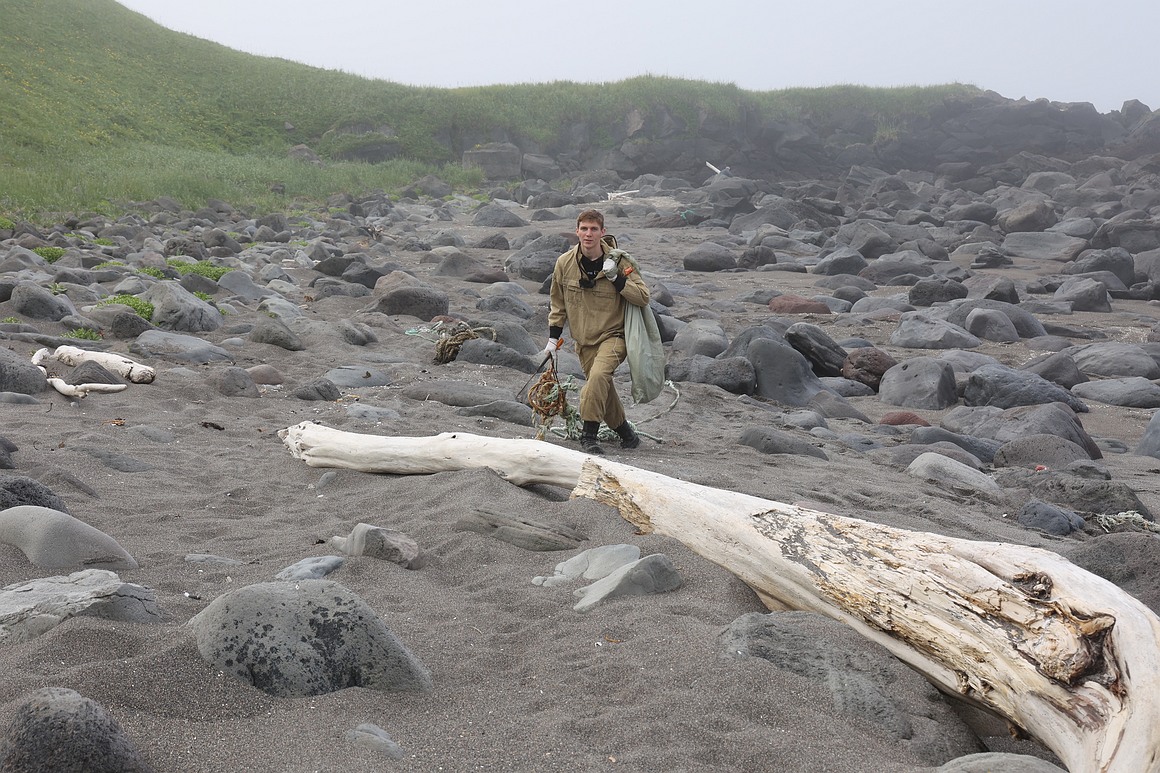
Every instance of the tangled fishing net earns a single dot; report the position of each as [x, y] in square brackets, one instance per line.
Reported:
[450, 337]
[548, 398]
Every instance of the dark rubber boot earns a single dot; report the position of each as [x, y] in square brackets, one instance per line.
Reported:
[589, 443]
[628, 436]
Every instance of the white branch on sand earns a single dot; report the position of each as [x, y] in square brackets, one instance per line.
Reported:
[72, 355]
[82, 390]
[1064, 654]
[116, 363]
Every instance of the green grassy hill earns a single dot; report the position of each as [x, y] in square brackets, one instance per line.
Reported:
[99, 106]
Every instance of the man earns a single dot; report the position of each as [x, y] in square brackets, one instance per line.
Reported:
[590, 288]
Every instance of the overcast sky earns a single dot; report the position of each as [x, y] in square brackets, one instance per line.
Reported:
[1101, 51]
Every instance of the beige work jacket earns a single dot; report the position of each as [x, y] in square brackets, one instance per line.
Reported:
[593, 314]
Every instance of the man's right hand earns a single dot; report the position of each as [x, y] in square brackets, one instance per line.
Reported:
[553, 345]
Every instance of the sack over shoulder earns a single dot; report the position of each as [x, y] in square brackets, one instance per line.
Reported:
[646, 353]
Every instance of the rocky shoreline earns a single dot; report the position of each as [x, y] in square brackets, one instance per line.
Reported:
[962, 351]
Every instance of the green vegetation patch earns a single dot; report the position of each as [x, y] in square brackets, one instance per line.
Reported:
[152, 271]
[202, 268]
[85, 333]
[142, 308]
[50, 254]
[6, 224]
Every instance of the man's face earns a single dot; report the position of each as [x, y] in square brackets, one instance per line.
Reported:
[589, 232]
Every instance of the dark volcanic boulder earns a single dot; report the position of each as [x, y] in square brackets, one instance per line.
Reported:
[733, 374]
[302, 638]
[497, 216]
[1034, 451]
[1114, 359]
[918, 330]
[1013, 423]
[58, 730]
[772, 441]
[423, 302]
[18, 374]
[920, 382]
[844, 260]
[927, 292]
[177, 309]
[866, 365]
[1026, 323]
[1059, 368]
[1049, 518]
[1116, 260]
[35, 302]
[730, 196]
[1003, 387]
[991, 325]
[783, 374]
[824, 354]
[710, 256]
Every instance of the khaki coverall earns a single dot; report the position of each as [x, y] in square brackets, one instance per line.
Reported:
[595, 316]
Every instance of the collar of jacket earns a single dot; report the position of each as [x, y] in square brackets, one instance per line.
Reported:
[578, 255]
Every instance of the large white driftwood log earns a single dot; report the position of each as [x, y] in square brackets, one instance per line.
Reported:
[1062, 653]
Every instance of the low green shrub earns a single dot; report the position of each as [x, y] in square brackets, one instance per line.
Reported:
[152, 271]
[50, 254]
[202, 267]
[85, 333]
[141, 307]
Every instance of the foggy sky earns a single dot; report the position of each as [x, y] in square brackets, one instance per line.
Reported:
[1062, 50]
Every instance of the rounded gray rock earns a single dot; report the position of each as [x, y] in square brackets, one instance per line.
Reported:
[1003, 387]
[772, 441]
[58, 730]
[920, 382]
[52, 539]
[1049, 518]
[1133, 392]
[1050, 451]
[272, 331]
[302, 638]
[710, 256]
[782, 373]
[18, 374]
[234, 381]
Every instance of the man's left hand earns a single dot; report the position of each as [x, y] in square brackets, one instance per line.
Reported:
[610, 269]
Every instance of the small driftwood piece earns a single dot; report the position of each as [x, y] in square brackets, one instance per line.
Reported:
[116, 363]
[1060, 652]
[83, 390]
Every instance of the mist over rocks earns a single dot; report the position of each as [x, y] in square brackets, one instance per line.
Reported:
[951, 331]
[1032, 149]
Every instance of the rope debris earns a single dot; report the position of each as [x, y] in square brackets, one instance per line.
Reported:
[548, 399]
[450, 337]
